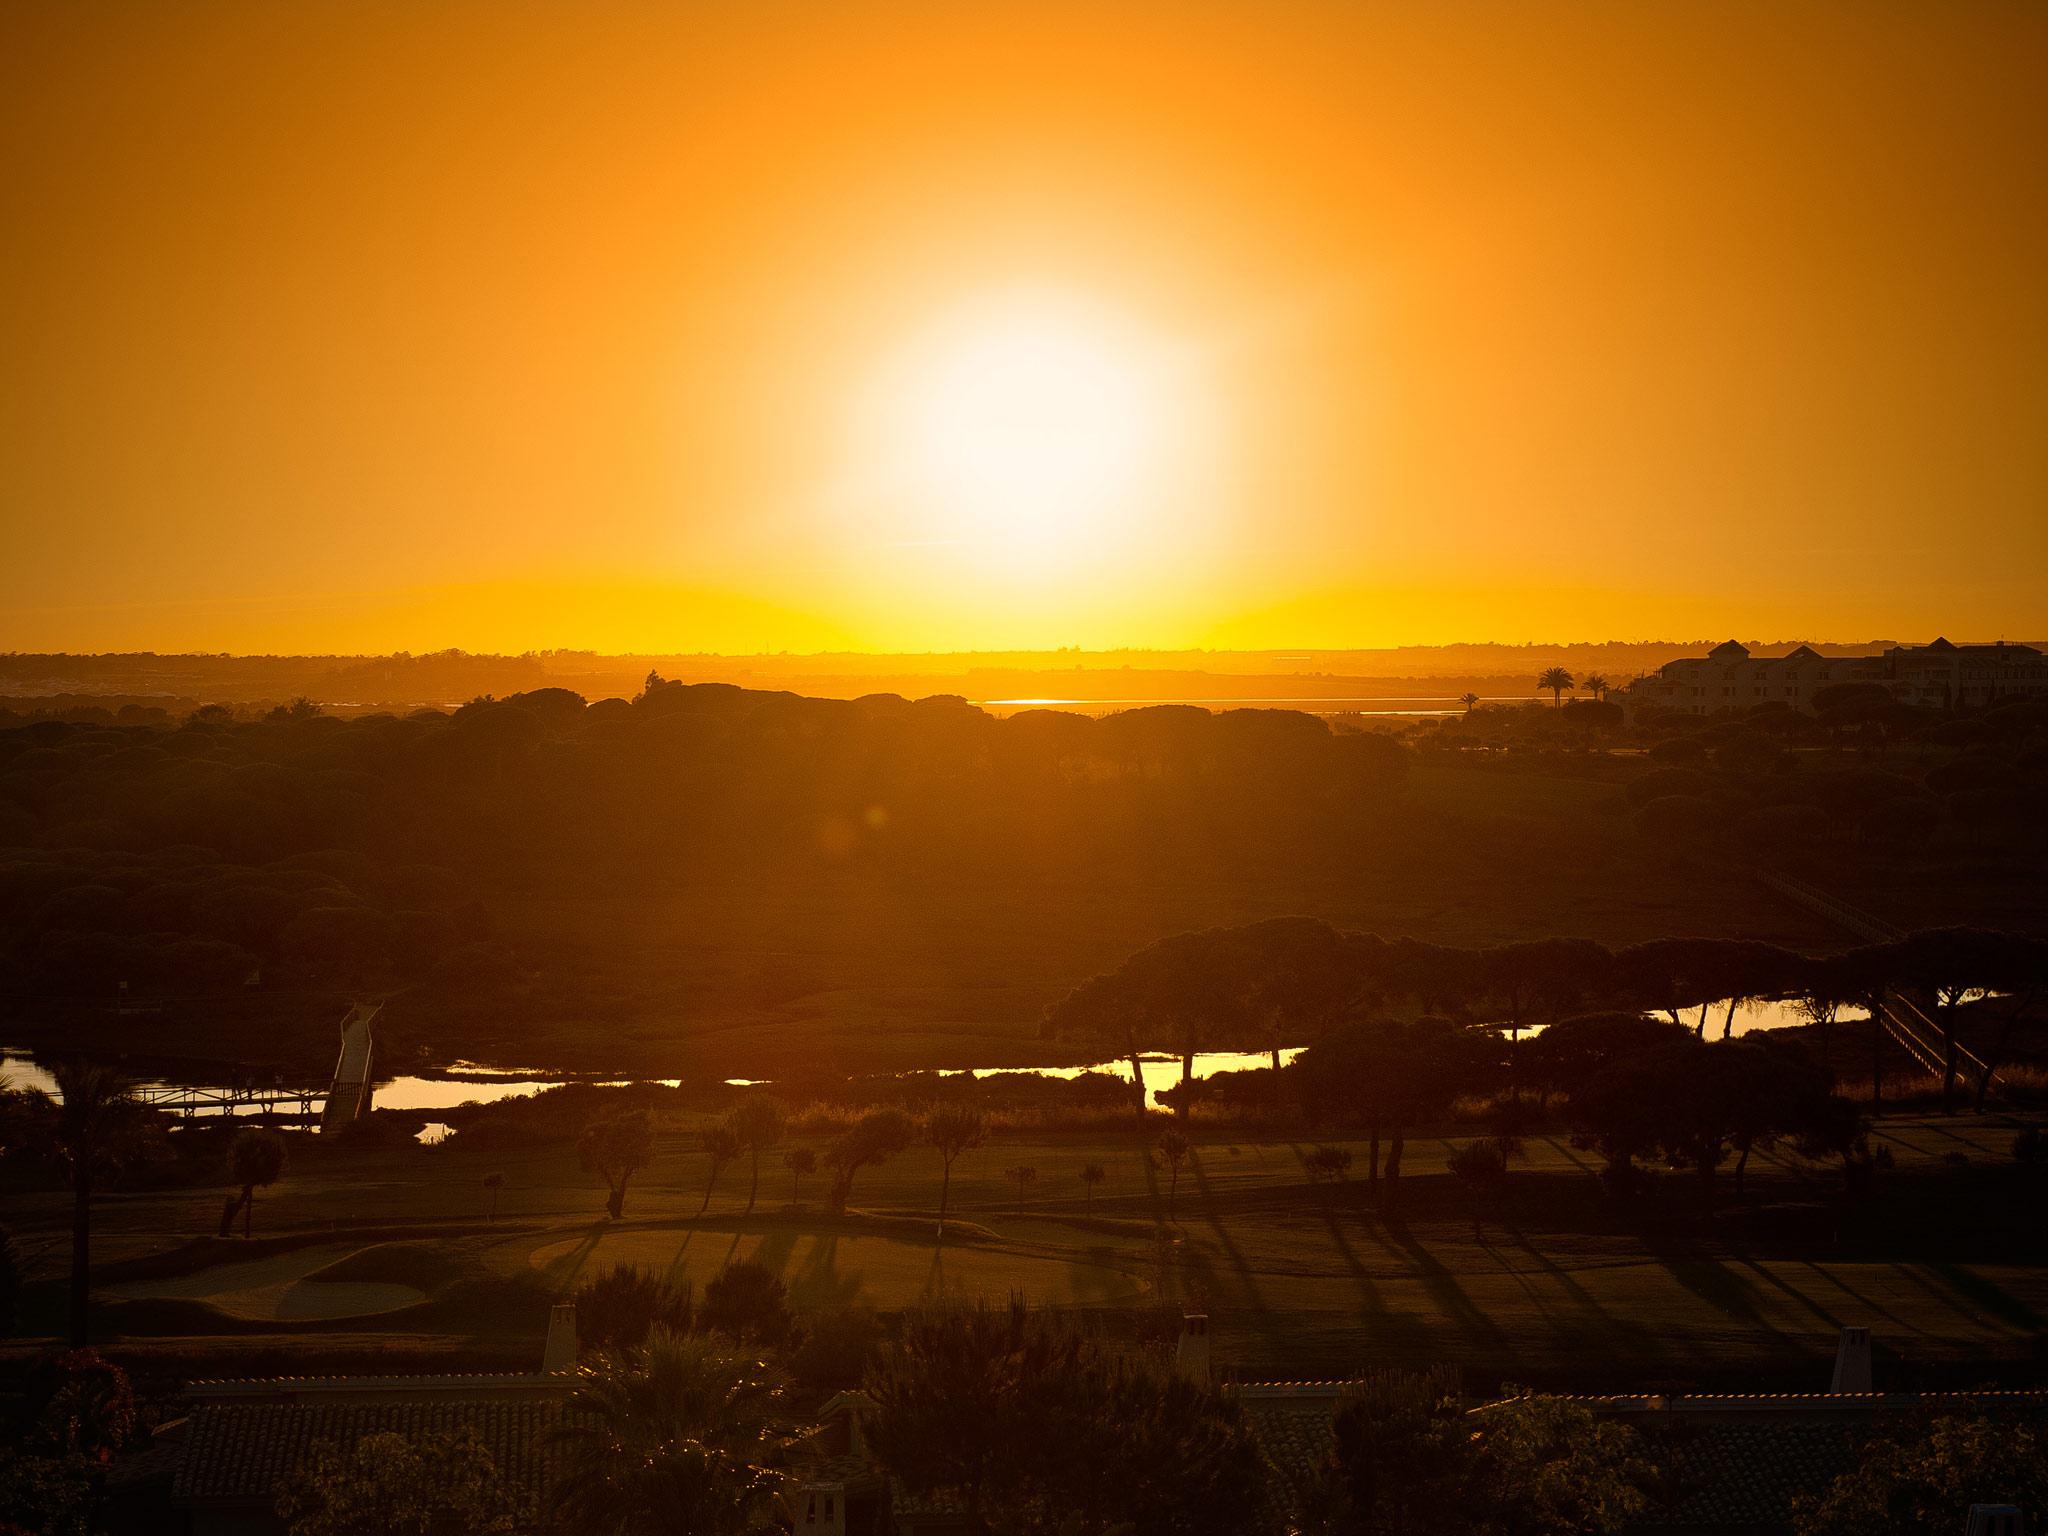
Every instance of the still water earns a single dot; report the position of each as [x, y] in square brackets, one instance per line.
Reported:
[468, 1083]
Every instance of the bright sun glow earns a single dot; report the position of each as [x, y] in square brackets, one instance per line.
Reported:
[1030, 429]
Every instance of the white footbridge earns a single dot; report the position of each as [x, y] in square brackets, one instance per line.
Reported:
[348, 1100]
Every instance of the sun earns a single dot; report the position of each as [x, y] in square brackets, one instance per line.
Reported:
[1030, 428]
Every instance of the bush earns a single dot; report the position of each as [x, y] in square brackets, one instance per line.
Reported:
[618, 1309]
[2030, 1147]
[1327, 1163]
[80, 1404]
[746, 1302]
[1922, 1476]
[1479, 1165]
[837, 1349]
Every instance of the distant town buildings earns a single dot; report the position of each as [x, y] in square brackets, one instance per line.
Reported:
[1941, 675]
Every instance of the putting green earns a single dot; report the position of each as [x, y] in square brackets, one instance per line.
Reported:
[275, 1289]
[825, 1269]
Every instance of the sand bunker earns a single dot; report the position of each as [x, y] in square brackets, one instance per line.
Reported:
[275, 1289]
[823, 1269]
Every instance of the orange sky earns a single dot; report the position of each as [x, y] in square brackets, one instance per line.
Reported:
[356, 326]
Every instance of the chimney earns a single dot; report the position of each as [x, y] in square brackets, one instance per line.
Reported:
[1995, 1520]
[1852, 1361]
[1191, 1359]
[560, 1352]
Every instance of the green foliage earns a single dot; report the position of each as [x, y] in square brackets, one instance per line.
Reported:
[801, 1163]
[836, 1349]
[1920, 1478]
[679, 1437]
[45, 1495]
[625, 1303]
[874, 1138]
[747, 1303]
[1014, 1415]
[1409, 1462]
[80, 1404]
[1551, 1468]
[757, 1124]
[615, 1148]
[440, 1484]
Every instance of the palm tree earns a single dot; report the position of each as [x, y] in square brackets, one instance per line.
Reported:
[254, 1162]
[1596, 685]
[673, 1438]
[1025, 1176]
[1174, 1147]
[953, 1129]
[96, 1128]
[799, 1161]
[1557, 680]
[721, 1145]
[758, 1123]
[1469, 700]
[1092, 1174]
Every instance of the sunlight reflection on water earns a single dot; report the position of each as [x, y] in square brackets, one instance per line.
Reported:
[469, 1082]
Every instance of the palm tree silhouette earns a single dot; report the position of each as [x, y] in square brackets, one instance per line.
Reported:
[1468, 700]
[96, 1128]
[1556, 679]
[679, 1436]
[1596, 685]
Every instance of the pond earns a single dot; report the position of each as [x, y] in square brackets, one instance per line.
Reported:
[467, 1082]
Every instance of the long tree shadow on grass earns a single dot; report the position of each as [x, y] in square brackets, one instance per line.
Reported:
[1442, 1285]
[1605, 1327]
[1247, 1281]
[1799, 1297]
[1834, 1278]
[1725, 1290]
[819, 1282]
[1992, 1297]
[565, 1269]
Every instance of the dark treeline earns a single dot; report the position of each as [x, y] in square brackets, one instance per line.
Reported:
[1293, 981]
[338, 852]
[1862, 774]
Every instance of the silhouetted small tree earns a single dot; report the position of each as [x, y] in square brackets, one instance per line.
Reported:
[1092, 1174]
[625, 1303]
[255, 1160]
[615, 1148]
[747, 1303]
[493, 1182]
[800, 1161]
[721, 1145]
[874, 1138]
[757, 1123]
[1025, 1176]
[952, 1129]
[1173, 1149]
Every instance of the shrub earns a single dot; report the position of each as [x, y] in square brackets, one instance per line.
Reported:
[81, 1404]
[836, 1350]
[1325, 1163]
[1479, 1165]
[618, 1309]
[746, 1302]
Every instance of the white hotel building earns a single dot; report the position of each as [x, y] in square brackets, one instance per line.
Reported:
[1942, 675]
